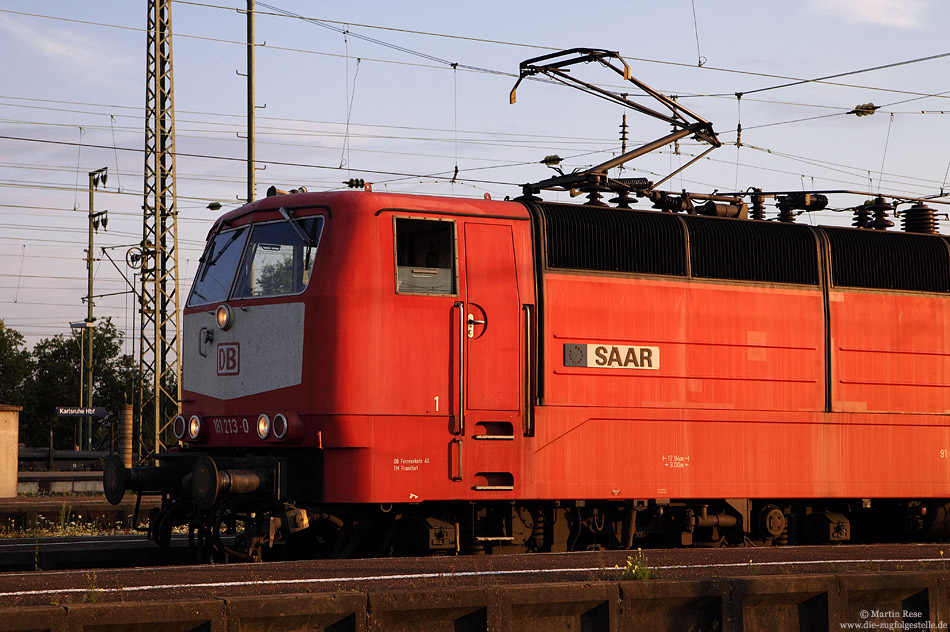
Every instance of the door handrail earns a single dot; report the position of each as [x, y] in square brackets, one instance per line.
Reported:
[460, 419]
[458, 475]
[528, 368]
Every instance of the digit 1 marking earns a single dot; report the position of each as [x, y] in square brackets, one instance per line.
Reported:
[436, 403]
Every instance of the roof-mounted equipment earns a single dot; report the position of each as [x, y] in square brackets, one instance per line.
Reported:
[595, 180]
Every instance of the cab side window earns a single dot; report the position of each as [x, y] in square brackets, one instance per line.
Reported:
[425, 256]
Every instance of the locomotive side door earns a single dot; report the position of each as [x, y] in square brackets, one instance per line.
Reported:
[456, 347]
[491, 342]
[491, 320]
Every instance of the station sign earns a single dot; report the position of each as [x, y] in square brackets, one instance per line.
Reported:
[79, 411]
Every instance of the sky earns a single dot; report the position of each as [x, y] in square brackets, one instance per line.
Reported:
[367, 89]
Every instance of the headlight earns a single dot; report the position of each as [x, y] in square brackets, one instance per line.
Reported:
[223, 316]
[280, 426]
[263, 426]
[179, 426]
[194, 427]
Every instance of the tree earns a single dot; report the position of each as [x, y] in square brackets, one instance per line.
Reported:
[55, 381]
[16, 365]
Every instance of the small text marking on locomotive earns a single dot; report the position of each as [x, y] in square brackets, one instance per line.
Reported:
[409, 465]
[606, 356]
[676, 461]
[229, 426]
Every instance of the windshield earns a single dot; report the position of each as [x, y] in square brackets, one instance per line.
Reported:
[271, 259]
[218, 264]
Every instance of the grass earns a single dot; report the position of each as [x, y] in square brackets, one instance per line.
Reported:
[43, 493]
[64, 515]
[639, 568]
[65, 523]
[56, 529]
[92, 589]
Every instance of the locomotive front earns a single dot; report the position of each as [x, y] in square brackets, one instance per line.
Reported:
[243, 443]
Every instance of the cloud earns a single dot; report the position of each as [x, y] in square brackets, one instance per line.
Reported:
[907, 14]
[77, 55]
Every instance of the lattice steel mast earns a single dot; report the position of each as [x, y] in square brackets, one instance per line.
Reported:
[160, 349]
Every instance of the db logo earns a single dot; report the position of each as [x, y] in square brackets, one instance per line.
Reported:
[229, 358]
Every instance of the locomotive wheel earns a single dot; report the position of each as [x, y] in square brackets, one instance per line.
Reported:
[772, 522]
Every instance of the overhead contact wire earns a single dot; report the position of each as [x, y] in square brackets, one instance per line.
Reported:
[328, 24]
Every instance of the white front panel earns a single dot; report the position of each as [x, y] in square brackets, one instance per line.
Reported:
[261, 351]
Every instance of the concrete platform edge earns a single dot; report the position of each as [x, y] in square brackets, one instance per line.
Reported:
[902, 600]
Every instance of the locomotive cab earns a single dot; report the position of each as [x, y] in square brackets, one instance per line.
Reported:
[349, 349]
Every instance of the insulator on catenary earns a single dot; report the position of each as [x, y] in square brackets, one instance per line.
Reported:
[758, 204]
[919, 219]
[593, 197]
[596, 183]
[879, 209]
[861, 216]
[623, 199]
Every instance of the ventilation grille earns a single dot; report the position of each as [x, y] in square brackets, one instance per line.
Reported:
[888, 260]
[722, 248]
[650, 242]
[612, 240]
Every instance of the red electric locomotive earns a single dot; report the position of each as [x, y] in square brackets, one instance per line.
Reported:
[371, 374]
[375, 372]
